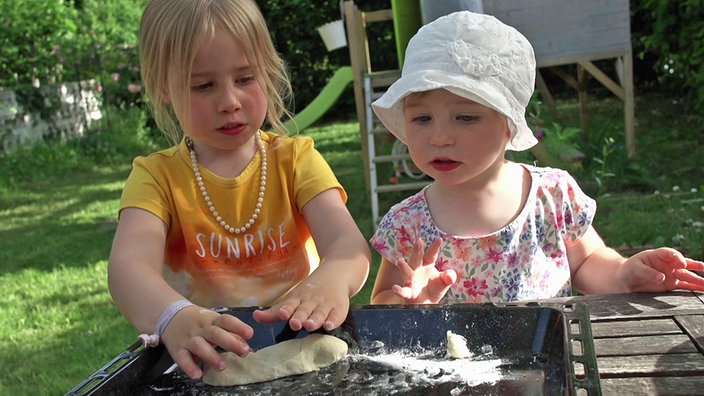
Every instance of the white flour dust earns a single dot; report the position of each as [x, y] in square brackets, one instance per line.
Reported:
[428, 369]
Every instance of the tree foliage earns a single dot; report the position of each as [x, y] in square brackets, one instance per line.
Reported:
[64, 40]
[293, 25]
[29, 41]
[70, 40]
[672, 34]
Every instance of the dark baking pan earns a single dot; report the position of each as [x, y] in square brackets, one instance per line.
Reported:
[519, 349]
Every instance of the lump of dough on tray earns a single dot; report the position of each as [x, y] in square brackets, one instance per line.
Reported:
[291, 357]
[457, 346]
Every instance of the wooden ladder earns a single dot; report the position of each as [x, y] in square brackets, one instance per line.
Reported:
[369, 85]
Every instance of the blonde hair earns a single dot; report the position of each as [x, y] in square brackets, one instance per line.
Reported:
[171, 32]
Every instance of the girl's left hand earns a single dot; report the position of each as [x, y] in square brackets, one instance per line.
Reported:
[659, 270]
[424, 284]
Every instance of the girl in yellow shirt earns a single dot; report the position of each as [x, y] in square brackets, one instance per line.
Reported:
[230, 216]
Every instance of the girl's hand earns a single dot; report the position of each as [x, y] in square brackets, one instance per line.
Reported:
[310, 305]
[659, 270]
[423, 282]
[323, 298]
[194, 332]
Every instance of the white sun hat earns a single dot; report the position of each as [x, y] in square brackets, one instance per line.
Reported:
[472, 55]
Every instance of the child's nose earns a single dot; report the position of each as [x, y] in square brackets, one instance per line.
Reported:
[229, 100]
[441, 135]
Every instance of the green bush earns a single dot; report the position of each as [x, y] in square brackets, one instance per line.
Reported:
[670, 35]
[30, 42]
[96, 39]
[70, 41]
[293, 25]
[121, 135]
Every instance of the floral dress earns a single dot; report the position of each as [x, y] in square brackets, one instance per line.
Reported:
[527, 259]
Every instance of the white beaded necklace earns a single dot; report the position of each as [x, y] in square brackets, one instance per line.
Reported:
[209, 202]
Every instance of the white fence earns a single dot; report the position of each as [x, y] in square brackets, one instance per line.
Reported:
[74, 111]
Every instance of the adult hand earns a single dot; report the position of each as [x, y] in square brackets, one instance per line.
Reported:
[194, 332]
[659, 270]
[423, 282]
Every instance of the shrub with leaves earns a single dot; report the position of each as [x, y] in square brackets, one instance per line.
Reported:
[672, 33]
[70, 41]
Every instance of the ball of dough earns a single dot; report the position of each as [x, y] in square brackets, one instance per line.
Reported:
[457, 346]
[291, 357]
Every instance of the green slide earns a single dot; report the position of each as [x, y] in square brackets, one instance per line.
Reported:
[407, 21]
[323, 102]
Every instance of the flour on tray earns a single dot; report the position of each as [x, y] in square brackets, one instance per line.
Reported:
[429, 369]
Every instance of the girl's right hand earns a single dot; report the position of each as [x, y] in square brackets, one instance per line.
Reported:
[424, 284]
[194, 332]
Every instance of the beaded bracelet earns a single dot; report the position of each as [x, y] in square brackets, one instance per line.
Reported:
[152, 340]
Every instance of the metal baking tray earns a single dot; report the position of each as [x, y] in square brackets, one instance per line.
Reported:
[518, 349]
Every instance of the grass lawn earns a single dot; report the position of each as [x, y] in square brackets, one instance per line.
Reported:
[58, 324]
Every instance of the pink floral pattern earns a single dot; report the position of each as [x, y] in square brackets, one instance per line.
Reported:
[525, 260]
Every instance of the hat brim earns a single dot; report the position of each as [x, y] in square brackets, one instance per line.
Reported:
[389, 107]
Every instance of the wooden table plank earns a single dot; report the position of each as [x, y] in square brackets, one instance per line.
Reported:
[630, 327]
[693, 325]
[638, 304]
[681, 364]
[653, 386]
[646, 345]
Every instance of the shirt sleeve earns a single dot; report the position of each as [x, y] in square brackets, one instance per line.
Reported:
[575, 210]
[312, 174]
[581, 207]
[142, 190]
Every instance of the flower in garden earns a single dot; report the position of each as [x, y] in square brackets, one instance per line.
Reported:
[134, 88]
[116, 77]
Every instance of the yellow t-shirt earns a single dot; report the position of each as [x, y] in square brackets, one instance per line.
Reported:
[211, 266]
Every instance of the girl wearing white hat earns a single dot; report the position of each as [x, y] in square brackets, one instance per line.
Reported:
[495, 230]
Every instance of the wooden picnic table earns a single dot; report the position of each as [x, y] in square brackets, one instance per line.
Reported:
[647, 343]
